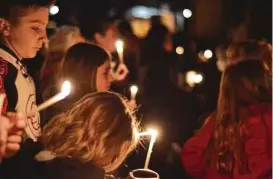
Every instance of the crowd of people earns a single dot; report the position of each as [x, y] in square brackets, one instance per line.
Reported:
[91, 132]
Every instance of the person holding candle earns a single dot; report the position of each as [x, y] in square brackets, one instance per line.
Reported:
[103, 32]
[87, 67]
[22, 34]
[236, 141]
[91, 138]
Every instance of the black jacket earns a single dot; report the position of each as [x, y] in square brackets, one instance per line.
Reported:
[68, 168]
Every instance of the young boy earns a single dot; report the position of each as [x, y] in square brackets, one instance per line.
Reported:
[102, 32]
[22, 33]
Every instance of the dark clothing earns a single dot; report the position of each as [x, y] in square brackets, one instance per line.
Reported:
[68, 168]
[22, 164]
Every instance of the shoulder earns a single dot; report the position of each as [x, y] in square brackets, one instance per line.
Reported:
[260, 113]
[7, 69]
[67, 168]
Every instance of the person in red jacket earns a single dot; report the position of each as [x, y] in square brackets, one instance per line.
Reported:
[236, 142]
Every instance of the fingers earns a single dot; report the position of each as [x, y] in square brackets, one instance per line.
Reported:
[11, 131]
[14, 139]
[132, 105]
[4, 126]
[17, 123]
[121, 72]
[13, 147]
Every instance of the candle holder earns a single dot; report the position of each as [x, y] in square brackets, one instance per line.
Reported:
[143, 174]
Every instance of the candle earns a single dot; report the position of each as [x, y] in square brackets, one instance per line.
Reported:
[66, 88]
[119, 47]
[153, 134]
[134, 90]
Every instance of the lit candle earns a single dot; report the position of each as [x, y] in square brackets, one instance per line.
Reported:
[134, 90]
[153, 134]
[66, 88]
[119, 47]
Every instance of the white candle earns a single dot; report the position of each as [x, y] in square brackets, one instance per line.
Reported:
[120, 49]
[153, 134]
[66, 88]
[134, 90]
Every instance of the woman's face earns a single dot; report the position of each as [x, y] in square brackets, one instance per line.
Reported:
[104, 77]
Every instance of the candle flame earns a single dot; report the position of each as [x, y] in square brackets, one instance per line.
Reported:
[153, 132]
[66, 88]
[134, 89]
[119, 46]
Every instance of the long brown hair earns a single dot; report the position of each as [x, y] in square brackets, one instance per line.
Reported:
[250, 49]
[99, 128]
[247, 82]
[81, 63]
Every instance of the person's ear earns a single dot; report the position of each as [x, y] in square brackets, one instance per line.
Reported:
[4, 27]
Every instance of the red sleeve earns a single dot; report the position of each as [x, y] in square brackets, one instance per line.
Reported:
[193, 152]
[3, 74]
[258, 147]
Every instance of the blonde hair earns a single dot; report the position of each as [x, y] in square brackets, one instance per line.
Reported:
[99, 128]
[59, 43]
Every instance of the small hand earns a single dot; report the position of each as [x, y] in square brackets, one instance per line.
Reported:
[121, 72]
[132, 105]
[11, 131]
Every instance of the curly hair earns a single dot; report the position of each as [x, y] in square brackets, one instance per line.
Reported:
[99, 128]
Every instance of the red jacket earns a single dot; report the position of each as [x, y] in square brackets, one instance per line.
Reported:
[258, 148]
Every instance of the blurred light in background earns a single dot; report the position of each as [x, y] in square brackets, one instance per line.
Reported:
[187, 13]
[54, 10]
[208, 54]
[193, 78]
[198, 78]
[179, 50]
[144, 12]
